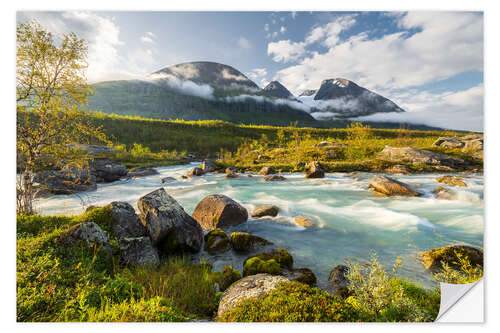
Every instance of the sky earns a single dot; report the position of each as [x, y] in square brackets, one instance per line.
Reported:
[429, 63]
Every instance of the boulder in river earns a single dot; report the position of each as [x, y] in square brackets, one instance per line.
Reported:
[274, 178]
[248, 287]
[451, 180]
[168, 180]
[126, 222]
[208, 165]
[219, 211]
[142, 172]
[138, 251]
[170, 227]
[195, 172]
[267, 170]
[442, 193]
[231, 175]
[389, 187]
[217, 241]
[339, 281]
[303, 221]
[106, 170]
[272, 262]
[65, 181]
[314, 170]
[269, 210]
[245, 242]
[433, 259]
[420, 157]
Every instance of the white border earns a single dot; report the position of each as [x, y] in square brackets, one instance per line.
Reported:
[492, 111]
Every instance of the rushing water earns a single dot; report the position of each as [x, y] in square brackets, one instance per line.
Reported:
[351, 222]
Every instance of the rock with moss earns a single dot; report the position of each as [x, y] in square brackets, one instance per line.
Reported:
[89, 232]
[245, 242]
[138, 251]
[256, 265]
[398, 169]
[303, 221]
[414, 156]
[387, 186]
[217, 241]
[64, 181]
[314, 170]
[171, 229]
[303, 275]
[451, 180]
[267, 170]
[339, 281]
[125, 222]
[281, 256]
[274, 178]
[433, 259]
[195, 172]
[219, 211]
[248, 287]
[226, 277]
[269, 210]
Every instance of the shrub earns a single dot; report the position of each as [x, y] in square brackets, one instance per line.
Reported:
[383, 297]
[293, 302]
[155, 309]
[226, 277]
[466, 272]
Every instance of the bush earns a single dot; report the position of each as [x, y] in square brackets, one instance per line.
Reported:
[466, 272]
[386, 298]
[226, 277]
[293, 302]
[155, 309]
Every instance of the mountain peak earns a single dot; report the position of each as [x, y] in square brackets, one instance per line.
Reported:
[275, 88]
[205, 72]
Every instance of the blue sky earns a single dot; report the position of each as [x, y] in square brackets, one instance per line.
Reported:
[430, 63]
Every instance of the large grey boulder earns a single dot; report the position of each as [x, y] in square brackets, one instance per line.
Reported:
[66, 181]
[126, 222]
[90, 232]
[419, 157]
[389, 187]
[219, 211]
[138, 251]
[248, 287]
[106, 170]
[169, 226]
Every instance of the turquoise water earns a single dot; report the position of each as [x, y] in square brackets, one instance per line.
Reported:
[351, 222]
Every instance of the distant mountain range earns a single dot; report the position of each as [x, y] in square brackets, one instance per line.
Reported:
[209, 90]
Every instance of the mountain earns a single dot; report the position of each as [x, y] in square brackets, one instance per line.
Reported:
[276, 89]
[196, 91]
[206, 72]
[308, 92]
[343, 98]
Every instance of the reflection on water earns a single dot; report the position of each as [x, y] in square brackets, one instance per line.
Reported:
[350, 221]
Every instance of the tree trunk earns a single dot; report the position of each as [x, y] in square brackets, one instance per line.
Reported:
[25, 193]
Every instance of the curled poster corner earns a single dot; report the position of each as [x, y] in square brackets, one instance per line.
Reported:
[451, 297]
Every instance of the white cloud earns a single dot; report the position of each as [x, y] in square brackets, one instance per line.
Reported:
[330, 32]
[461, 110]
[285, 50]
[259, 74]
[147, 39]
[244, 43]
[266, 27]
[445, 44]
[283, 29]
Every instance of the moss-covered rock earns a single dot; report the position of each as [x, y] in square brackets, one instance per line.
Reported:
[451, 180]
[282, 257]
[217, 241]
[245, 242]
[226, 277]
[433, 259]
[255, 265]
[100, 215]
